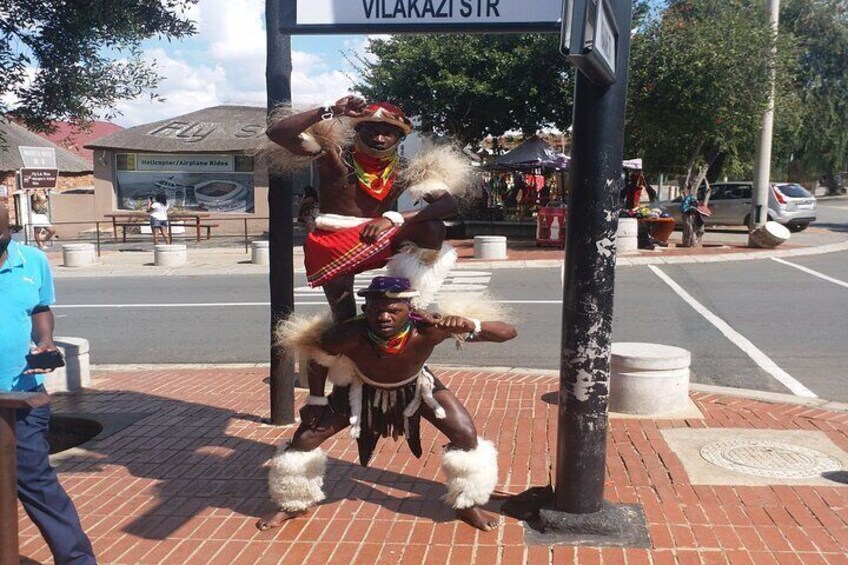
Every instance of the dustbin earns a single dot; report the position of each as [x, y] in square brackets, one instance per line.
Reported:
[550, 227]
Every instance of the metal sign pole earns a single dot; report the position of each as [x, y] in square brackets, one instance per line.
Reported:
[280, 222]
[576, 510]
[596, 156]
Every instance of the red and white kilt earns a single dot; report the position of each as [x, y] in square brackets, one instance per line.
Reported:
[331, 254]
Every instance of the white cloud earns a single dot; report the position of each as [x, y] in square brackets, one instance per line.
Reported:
[225, 64]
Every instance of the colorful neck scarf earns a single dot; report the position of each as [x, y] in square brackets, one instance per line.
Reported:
[374, 175]
[395, 344]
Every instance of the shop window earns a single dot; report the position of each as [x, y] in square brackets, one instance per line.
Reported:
[243, 164]
[126, 162]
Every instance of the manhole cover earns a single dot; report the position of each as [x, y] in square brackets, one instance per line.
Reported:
[66, 432]
[769, 459]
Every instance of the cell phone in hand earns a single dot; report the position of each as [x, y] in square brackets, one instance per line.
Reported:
[46, 360]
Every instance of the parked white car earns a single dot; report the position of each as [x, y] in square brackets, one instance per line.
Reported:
[789, 204]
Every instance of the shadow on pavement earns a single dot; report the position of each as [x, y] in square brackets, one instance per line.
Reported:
[194, 457]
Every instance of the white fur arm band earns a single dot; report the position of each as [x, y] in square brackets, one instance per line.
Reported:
[394, 217]
[478, 327]
[317, 400]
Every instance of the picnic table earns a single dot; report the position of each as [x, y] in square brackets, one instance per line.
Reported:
[125, 220]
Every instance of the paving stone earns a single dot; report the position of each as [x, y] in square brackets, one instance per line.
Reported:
[185, 483]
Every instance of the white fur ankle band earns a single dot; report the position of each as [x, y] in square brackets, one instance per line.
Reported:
[296, 478]
[471, 475]
[317, 400]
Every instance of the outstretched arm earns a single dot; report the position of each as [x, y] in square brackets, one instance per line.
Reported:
[448, 326]
[287, 132]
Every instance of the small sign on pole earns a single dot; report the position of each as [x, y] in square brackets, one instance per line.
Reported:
[39, 178]
[589, 38]
[38, 157]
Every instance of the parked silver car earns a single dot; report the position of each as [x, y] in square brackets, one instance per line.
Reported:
[789, 204]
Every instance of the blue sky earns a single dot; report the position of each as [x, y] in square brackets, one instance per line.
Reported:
[225, 64]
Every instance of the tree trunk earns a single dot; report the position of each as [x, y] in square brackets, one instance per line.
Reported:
[834, 183]
[693, 229]
[687, 183]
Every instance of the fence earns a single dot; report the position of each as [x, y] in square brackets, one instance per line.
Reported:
[220, 232]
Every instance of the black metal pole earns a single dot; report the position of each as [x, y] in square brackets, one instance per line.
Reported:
[596, 157]
[280, 222]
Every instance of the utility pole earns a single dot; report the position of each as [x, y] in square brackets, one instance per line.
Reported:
[762, 164]
[278, 69]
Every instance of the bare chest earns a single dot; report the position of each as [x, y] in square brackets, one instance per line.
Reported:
[387, 368]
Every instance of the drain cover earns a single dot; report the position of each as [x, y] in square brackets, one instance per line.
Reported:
[769, 459]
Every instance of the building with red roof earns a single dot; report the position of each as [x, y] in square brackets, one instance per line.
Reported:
[75, 140]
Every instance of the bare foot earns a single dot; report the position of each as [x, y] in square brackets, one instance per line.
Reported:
[474, 516]
[275, 519]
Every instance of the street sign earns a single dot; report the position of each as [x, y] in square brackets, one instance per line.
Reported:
[38, 157]
[589, 38]
[419, 16]
[39, 178]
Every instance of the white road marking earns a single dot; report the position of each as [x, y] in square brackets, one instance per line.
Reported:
[459, 281]
[241, 304]
[811, 272]
[737, 339]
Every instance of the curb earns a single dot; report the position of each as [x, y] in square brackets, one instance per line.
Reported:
[463, 265]
[749, 394]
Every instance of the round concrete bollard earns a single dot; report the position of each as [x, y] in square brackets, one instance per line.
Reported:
[626, 240]
[648, 379]
[78, 254]
[259, 253]
[490, 247]
[76, 374]
[170, 255]
[769, 235]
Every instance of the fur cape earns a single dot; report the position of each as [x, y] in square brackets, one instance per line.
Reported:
[437, 168]
[300, 336]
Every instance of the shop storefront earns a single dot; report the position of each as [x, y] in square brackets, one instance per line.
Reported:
[203, 162]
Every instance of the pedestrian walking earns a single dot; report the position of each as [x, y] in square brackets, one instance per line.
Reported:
[43, 230]
[26, 293]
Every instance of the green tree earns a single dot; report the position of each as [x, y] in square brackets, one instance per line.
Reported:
[71, 60]
[818, 143]
[468, 86]
[698, 85]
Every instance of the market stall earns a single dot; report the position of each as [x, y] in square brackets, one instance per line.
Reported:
[654, 225]
[521, 186]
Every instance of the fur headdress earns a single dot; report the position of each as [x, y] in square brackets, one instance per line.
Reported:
[385, 113]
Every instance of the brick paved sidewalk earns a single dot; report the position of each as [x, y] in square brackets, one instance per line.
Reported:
[185, 481]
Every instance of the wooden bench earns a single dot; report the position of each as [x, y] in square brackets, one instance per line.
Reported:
[208, 228]
[126, 225]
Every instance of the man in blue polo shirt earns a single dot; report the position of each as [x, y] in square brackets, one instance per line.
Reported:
[26, 293]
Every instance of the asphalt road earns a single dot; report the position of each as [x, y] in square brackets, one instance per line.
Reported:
[777, 324]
